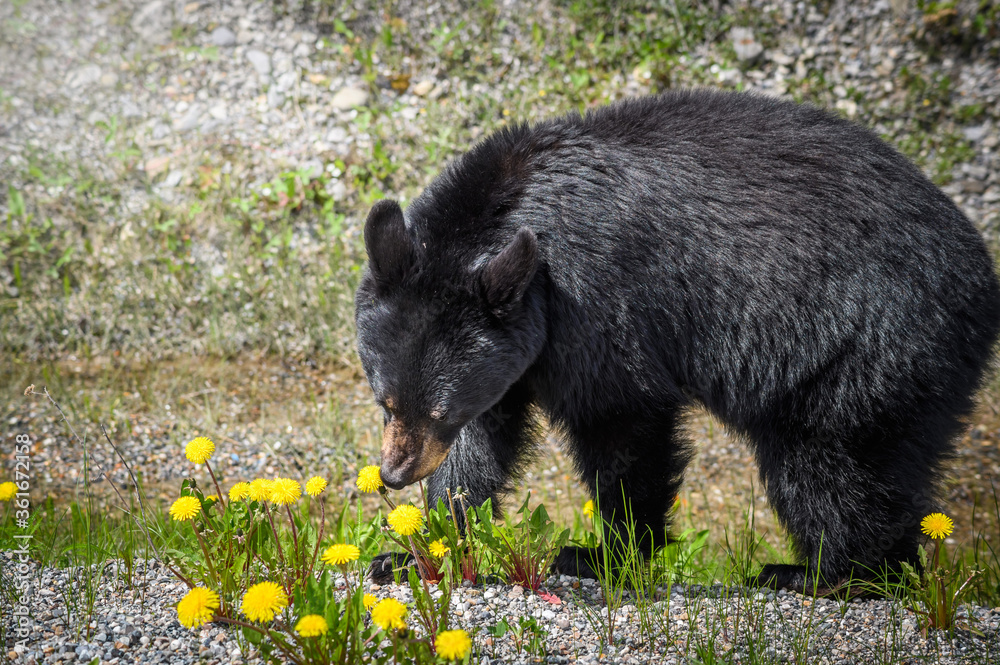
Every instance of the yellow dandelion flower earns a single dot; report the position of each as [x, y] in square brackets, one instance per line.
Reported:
[542, 93]
[937, 525]
[239, 491]
[369, 599]
[452, 644]
[285, 491]
[315, 485]
[406, 520]
[370, 479]
[262, 602]
[214, 498]
[198, 607]
[339, 554]
[185, 508]
[311, 625]
[260, 490]
[439, 549]
[199, 450]
[388, 613]
[588, 508]
[7, 491]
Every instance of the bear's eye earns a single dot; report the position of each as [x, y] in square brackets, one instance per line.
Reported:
[387, 407]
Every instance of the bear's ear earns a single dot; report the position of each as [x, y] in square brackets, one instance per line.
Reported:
[506, 277]
[390, 250]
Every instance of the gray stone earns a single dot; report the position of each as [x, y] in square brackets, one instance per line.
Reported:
[973, 186]
[423, 87]
[312, 169]
[218, 111]
[152, 22]
[747, 48]
[275, 98]
[286, 81]
[976, 133]
[975, 171]
[172, 180]
[223, 36]
[190, 119]
[347, 98]
[336, 135]
[261, 62]
[84, 76]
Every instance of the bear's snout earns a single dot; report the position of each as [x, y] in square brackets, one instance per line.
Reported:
[409, 454]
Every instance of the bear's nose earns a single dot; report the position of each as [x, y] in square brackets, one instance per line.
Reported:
[397, 476]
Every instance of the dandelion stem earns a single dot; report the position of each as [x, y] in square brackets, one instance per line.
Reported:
[295, 536]
[217, 490]
[277, 541]
[208, 559]
[429, 621]
[319, 538]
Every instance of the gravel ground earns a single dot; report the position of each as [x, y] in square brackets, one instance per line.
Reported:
[251, 92]
[138, 624]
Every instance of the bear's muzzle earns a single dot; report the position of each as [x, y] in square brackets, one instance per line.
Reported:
[409, 454]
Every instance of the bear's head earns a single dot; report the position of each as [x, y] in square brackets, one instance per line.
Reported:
[441, 340]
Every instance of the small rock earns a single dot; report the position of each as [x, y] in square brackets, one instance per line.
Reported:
[973, 186]
[223, 36]
[190, 119]
[218, 111]
[312, 168]
[152, 22]
[975, 171]
[423, 87]
[261, 62]
[336, 135]
[173, 178]
[84, 76]
[782, 58]
[515, 592]
[976, 133]
[847, 106]
[747, 48]
[347, 98]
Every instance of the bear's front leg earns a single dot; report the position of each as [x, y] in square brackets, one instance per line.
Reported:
[633, 465]
[484, 459]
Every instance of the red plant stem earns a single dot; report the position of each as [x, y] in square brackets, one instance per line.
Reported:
[432, 627]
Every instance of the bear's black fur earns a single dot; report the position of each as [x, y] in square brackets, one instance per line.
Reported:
[783, 267]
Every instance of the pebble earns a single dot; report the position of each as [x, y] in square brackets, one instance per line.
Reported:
[347, 98]
[261, 62]
[747, 48]
[223, 36]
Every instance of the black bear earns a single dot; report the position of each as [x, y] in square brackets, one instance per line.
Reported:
[783, 267]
